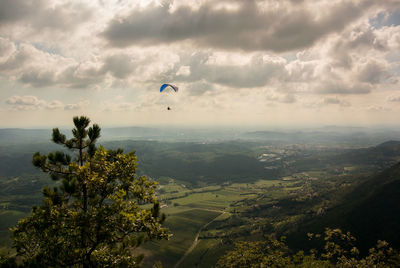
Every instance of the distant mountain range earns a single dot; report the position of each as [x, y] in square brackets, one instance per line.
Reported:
[383, 154]
[326, 136]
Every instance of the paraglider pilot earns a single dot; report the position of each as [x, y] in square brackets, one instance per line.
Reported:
[175, 88]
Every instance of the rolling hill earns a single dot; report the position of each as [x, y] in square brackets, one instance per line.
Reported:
[371, 212]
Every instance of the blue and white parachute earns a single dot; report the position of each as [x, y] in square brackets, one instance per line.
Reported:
[175, 88]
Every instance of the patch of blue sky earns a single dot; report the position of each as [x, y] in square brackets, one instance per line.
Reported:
[393, 57]
[395, 71]
[47, 49]
[386, 19]
[290, 56]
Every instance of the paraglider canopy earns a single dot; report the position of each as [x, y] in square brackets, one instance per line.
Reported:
[175, 88]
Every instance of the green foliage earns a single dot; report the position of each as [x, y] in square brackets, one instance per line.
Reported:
[339, 249]
[338, 252]
[95, 216]
[367, 210]
[268, 253]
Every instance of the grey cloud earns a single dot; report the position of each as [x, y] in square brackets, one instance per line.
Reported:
[240, 76]
[70, 77]
[38, 78]
[6, 48]
[15, 10]
[16, 60]
[199, 88]
[394, 99]
[288, 98]
[41, 69]
[335, 100]
[373, 72]
[364, 37]
[288, 27]
[358, 39]
[258, 72]
[64, 17]
[301, 70]
[331, 101]
[39, 14]
[73, 77]
[337, 87]
[34, 103]
[119, 66]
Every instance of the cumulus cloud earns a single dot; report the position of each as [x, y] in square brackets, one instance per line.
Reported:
[28, 101]
[282, 98]
[257, 71]
[378, 108]
[373, 72]
[325, 102]
[359, 39]
[252, 25]
[16, 59]
[38, 78]
[34, 103]
[300, 70]
[199, 88]
[14, 10]
[335, 100]
[77, 106]
[39, 68]
[6, 49]
[119, 65]
[43, 14]
[223, 55]
[393, 99]
[183, 71]
[339, 87]
[55, 104]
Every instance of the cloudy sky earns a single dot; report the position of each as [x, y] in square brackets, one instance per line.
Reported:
[236, 62]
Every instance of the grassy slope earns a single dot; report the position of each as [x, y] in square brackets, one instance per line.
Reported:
[206, 254]
[184, 227]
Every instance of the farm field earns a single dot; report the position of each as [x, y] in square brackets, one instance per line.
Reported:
[206, 253]
[219, 209]
[184, 227]
[189, 210]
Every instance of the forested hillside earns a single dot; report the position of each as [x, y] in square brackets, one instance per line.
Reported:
[239, 190]
[370, 211]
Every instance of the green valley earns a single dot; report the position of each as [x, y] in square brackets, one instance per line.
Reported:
[217, 193]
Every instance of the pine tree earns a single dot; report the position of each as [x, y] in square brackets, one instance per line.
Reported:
[98, 212]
